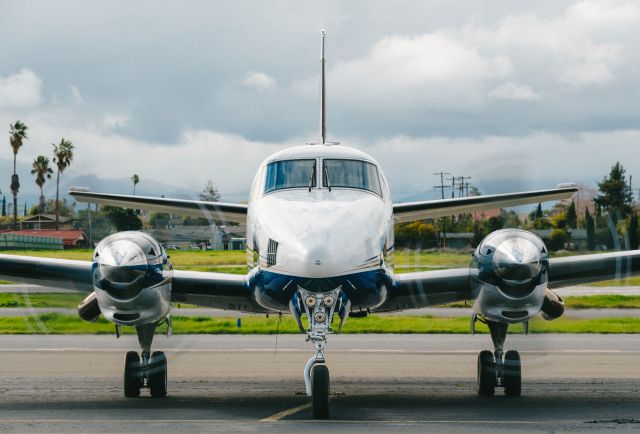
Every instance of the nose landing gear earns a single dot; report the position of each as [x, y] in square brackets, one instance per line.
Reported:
[146, 370]
[499, 369]
[320, 307]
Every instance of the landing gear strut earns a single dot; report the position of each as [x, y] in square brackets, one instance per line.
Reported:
[147, 370]
[499, 369]
[319, 307]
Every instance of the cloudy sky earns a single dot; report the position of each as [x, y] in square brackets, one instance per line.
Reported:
[531, 92]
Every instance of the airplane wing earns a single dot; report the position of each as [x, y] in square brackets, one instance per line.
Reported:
[58, 273]
[428, 288]
[573, 270]
[412, 211]
[216, 211]
[218, 290]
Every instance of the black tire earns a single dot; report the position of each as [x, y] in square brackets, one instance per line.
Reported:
[158, 375]
[320, 389]
[486, 373]
[132, 375]
[512, 374]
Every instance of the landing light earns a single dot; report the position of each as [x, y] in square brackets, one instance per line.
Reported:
[328, 301]
[319, 316]
[310, 301]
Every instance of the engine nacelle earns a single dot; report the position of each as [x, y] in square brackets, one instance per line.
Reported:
[509, 274]
[132, 279]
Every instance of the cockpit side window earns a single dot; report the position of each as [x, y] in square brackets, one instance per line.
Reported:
[351, 174]
[290, 174]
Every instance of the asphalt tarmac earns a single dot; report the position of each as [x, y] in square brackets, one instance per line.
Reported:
[380, 383]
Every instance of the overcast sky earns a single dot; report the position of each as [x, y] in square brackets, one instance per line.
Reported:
[539, 91]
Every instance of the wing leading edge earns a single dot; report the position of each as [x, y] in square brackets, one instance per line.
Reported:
[216, 211]
[411, 211]
[428, 288]
[218, 290]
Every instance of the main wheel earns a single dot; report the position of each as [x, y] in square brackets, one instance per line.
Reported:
[486, 373]
[132, 375]
[512, 374]
[158, 374]
[320, 391]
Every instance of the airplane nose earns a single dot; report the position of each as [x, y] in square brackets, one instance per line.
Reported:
[316, 256]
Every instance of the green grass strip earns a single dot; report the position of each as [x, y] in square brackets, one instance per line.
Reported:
[70, 324]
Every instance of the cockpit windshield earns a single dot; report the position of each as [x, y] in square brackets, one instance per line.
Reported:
[351, 174]
[290, 174]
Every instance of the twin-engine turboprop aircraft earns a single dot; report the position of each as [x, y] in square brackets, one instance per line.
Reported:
[320, 242]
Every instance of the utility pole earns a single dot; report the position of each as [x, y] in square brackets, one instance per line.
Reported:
[466, 188]
[453, 185]
[462, 185]
[444, 222]
[441, 186]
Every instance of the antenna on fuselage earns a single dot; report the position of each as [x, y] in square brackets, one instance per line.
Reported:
[323, 126]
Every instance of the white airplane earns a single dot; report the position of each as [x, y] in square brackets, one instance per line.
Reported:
[320, 241]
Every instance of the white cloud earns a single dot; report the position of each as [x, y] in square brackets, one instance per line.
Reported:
[114, 121]
[511, 90]
[259, 81]
[540, 159]
[20, 90]
[582, 46]
[433, 70]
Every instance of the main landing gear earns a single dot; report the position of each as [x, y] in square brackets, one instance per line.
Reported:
[499, 369]
[148, 371]
[319, 307]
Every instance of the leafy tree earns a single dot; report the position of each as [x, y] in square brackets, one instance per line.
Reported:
[539, 214]
[210, 192]
[101, 226]
[195, 221]
[62, 157]
[572, 216]
[590, 226]
[415, 234]
[41, 169]
[153, 218]
[17, 134]
[560, 220]
[615, 194]
[557, 239]
[478, 233]
[135, 179]
[511, 219]
[65, 209]
[123, 219]
[493, 224]
[633, 231]
[4, 206]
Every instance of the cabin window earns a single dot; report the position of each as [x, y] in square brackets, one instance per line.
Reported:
[290, 174]
[351, 174]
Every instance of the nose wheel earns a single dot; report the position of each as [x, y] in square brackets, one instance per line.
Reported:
[146, 370]
[497, 369]
[320, 391]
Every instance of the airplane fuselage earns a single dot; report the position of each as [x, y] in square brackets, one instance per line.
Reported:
[320, 217]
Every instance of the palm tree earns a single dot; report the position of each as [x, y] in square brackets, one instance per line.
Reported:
[62, 157]
[17, 134]
[135, 179]
[43, 172]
